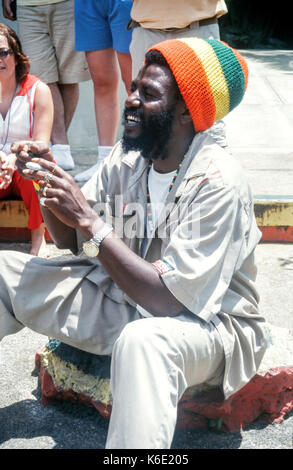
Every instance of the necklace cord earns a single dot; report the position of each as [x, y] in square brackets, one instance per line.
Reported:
[149, 208]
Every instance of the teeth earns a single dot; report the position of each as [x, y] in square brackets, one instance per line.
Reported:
[133, 118]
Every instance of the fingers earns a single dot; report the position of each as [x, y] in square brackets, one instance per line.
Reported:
[5, 181]
[22, 145]
[49, 203]
[2, 157]
[40, 148]
[26, 145]
[50, 166]
[49, 171]
[25, 150]
[5, 184]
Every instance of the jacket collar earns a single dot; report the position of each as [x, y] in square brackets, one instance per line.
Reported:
[194, 165]
[191, 165]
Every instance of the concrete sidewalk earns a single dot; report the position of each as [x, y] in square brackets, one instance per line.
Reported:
[260, 129]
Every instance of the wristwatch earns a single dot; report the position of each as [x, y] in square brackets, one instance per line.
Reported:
[92, 247]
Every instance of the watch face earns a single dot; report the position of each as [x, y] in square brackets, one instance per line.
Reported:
[90, 249]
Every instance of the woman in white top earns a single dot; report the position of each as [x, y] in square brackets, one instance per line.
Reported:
[26, 113]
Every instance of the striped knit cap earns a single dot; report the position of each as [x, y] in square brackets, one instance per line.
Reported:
[211, 76]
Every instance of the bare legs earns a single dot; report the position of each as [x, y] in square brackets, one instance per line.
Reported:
[65, 99]
[125, 65]
[106, 67]
[104, 71]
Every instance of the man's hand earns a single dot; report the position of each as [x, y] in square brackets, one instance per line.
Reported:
[7, 168]
[61, 195]
[7, 11]
[25, 151]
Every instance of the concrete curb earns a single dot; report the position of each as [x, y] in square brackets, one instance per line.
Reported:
[274, 216]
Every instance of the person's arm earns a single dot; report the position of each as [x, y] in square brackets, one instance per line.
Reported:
[135, 276]
[7, 168]
[63, 236]
[43, 114]
[7, 10]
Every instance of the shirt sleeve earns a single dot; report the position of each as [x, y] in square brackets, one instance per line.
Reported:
[205, 249]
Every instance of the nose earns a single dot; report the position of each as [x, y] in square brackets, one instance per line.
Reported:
[133, 100]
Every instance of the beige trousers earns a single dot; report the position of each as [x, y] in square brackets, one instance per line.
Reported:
[153, 361]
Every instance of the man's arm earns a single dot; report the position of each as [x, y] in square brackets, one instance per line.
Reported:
[135, 276]
[63, 236]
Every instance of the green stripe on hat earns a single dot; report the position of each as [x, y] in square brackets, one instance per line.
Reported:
[232, 71]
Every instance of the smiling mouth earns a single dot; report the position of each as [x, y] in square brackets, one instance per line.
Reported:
[131, 119]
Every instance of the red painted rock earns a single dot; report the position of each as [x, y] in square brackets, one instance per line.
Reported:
[70, 374]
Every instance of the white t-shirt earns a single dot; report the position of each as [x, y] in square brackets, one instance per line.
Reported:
[159, 184]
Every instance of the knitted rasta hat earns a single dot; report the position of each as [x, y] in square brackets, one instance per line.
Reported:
[211, 76]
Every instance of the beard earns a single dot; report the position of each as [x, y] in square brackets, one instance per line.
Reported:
[155, 134]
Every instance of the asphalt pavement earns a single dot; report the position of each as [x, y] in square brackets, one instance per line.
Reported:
[27, 424]
[259, 134]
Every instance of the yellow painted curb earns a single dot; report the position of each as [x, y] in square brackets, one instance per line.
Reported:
[274, 212]
[269, 212]
[13, 214]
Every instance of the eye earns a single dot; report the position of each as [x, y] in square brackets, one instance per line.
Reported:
[133, 87]
[148, 93]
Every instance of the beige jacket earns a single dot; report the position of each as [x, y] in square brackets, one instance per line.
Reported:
[205, 240]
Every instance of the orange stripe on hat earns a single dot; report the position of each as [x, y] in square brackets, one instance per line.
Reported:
[192, 81]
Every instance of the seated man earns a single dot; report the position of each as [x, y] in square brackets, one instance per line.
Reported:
[166, 283]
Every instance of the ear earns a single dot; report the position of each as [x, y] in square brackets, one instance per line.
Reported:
[185, 117]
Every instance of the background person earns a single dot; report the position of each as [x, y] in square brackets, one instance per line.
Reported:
[46, 31]
[26, 112]
[158, 20]
[101, 31]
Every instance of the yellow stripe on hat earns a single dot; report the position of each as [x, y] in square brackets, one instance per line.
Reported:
[214, 74]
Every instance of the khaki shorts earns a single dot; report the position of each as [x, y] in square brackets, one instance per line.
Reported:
[47, 36]
[143, 39]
